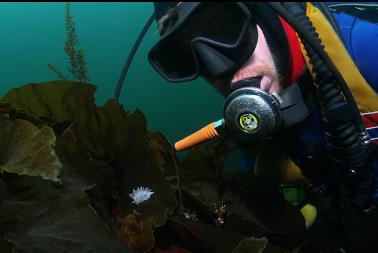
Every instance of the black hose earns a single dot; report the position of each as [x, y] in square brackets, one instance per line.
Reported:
[351, 157]
[324, 8]
[131, 56]
[347, 151]
[308, 37]
[342, 134]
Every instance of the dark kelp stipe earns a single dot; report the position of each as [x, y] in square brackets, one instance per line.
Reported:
[68, 167]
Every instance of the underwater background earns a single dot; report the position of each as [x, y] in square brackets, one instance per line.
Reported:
[33, 35]
[86, 174]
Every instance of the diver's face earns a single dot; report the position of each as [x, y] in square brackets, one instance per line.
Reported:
[260, 64]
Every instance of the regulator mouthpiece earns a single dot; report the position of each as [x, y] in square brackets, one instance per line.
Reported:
[250, 113]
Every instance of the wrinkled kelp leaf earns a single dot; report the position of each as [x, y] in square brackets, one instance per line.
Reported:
[203, 237]
[255, 205]
[137, 232]
[205, 162]
[7, 247]
[56, 100]
[255, 215]
[108, 148]
[43, 217]
[175, 234]
[107, 152]
[3, 191]
[27, 150]
[251, 244]
[164, 155]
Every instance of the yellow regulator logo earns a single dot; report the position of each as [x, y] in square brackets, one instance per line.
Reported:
[248, 121]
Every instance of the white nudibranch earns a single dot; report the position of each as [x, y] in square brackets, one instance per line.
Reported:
[141, 194]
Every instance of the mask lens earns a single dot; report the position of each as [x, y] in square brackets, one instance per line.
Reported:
[174, 60]
[221, 23]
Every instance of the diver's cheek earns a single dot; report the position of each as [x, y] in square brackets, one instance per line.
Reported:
[266, 83]
[275, 87]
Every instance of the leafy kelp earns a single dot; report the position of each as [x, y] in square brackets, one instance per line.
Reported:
[69, 166]
[27, 150]
[105, 153]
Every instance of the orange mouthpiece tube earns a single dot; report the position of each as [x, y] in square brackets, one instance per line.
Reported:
[204, 134]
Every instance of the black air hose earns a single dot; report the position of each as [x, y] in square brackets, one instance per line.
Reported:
[344, 139]
[326, 12]
[132, 53]
[316, 46]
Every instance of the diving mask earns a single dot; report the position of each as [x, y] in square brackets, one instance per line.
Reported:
[204, 39]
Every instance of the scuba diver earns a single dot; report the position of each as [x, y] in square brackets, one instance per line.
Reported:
[289, 74]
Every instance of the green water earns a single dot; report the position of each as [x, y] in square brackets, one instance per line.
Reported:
[33, 35]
